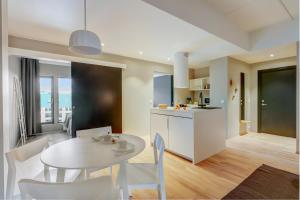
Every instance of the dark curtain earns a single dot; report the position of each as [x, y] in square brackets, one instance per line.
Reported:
[30, 72]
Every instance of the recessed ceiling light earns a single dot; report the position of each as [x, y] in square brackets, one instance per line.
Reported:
[102, 44]
[271, 55]
[141, 53]
[169, 59]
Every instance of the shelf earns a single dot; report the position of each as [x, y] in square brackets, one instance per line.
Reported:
[198, 84]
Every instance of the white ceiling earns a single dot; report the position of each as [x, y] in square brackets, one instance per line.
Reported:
[127, 27]
[251, 15]
[264, 55]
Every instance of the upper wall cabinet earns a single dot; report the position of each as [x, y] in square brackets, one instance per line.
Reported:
[199, 84]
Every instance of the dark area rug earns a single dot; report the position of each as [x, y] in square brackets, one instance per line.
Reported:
[267, 183]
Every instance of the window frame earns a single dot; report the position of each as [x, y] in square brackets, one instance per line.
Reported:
[52, 99]
[57, 79]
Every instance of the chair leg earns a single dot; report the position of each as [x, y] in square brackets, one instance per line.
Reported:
[158, 192]
[130, 193]
[161, 192]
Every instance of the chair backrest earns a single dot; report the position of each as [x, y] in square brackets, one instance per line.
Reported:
[98, 188]
[159, 148]
[20, 155]
[94, 132]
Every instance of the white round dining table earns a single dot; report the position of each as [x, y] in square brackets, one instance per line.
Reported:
[87, 153]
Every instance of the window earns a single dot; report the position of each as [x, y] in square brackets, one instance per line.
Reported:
[46, 96]
[64, 98]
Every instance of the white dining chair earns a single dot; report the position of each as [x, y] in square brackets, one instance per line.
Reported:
[94, 132]
[24, 162]
[100, 188]
[148, 175]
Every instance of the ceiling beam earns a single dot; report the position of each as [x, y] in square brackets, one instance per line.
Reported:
[275, 35]
[202, 15]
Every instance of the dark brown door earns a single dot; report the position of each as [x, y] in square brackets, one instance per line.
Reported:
[96, 97]
[242, 100]
[277, 101]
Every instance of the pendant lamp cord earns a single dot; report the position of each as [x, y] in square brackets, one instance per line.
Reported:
[85, 15]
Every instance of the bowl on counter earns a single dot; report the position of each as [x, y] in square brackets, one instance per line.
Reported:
[162, 106]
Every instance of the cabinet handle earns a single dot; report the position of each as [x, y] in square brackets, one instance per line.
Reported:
[168, 123]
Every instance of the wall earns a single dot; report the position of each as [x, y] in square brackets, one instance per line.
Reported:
[4, 95]
[14, 71]
[218, 72]
[235, 68]
[221, 71]
[253, 85]
[55, 71]
[137, 79]
[201, 72]
[138, 94]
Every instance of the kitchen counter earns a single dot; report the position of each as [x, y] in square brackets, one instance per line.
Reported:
[189, 112]
[194, 134]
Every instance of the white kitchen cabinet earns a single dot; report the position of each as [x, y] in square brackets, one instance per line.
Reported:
[194, 134]
[199, 84]
[181, 136]
[159, 124]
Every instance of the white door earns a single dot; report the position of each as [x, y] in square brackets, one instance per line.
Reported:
[159, 124]
[181, 136]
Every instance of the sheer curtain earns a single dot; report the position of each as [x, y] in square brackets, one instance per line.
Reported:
[30, 72]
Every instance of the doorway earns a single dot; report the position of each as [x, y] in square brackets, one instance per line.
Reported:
[242, 96]
[277, 101]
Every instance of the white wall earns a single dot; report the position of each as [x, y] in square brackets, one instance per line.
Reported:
[254, 83]
[137, 88]
[180, 95]
[218, 72]
[4, 95]
[235, 68]
[221, 71]
[14, 71]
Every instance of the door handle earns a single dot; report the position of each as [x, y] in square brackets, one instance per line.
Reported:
[263, 103]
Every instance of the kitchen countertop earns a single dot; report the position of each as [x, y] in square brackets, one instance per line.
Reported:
[188, 113]
[188, 109]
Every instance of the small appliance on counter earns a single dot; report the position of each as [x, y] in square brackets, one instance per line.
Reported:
[207, 101]
[201, 103]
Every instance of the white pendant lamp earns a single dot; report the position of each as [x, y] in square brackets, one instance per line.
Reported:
[181, 70]
[83, 41]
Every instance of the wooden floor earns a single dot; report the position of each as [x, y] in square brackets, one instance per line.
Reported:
[218, 175]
